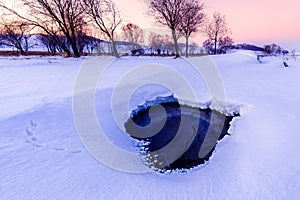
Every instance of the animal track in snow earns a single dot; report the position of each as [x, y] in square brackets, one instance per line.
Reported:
[31, 135]
[29, 132]
[34, 140]
[34, 124]
[60, 148]
[74, 152]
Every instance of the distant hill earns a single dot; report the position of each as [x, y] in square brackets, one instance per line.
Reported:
[245, 46]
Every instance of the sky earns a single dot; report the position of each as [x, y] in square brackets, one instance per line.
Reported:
[257, 22]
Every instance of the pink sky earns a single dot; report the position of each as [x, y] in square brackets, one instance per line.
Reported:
[256, 21]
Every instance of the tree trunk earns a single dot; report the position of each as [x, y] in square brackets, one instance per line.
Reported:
[187, 46]
[65, 49]
[215, 50]
[22, 52]
[115, 51]
[20, 48]
[175, 43]
[75, 50]
[68, 52]
[26, 46]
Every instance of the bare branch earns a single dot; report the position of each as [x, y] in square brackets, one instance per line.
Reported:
[15, 34]
[191, 20]
[105, 16]
[216, 30]
[168, 13]
[55, 18]
[133, 34]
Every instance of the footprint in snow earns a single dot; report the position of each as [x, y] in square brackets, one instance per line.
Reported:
[66, 150]
[29, 132]
[33, 124]
[75, 152]
[31, 135]
[33, 140]
[60, 148]
[38, 145]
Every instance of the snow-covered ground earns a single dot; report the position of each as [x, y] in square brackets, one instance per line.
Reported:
[42, 156]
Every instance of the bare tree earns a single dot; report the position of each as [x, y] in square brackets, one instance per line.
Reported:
[192, 18]
[161, 43]
[91, 43]
[216, 29]
[193, 48]
[156, 40]
[274, 49]
[208, 46]
[168, 13]
[225, 44]
[15, 34]
[49, 43]
[133, 34]
[56, 18]
[106, 17]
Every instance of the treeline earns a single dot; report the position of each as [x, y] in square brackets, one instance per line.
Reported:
[67, 25]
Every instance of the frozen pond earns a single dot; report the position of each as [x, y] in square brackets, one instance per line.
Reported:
[175, 136]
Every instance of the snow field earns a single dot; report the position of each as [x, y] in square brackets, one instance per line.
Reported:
[42, 157]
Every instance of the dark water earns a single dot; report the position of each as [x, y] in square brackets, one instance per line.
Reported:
[171, 145]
